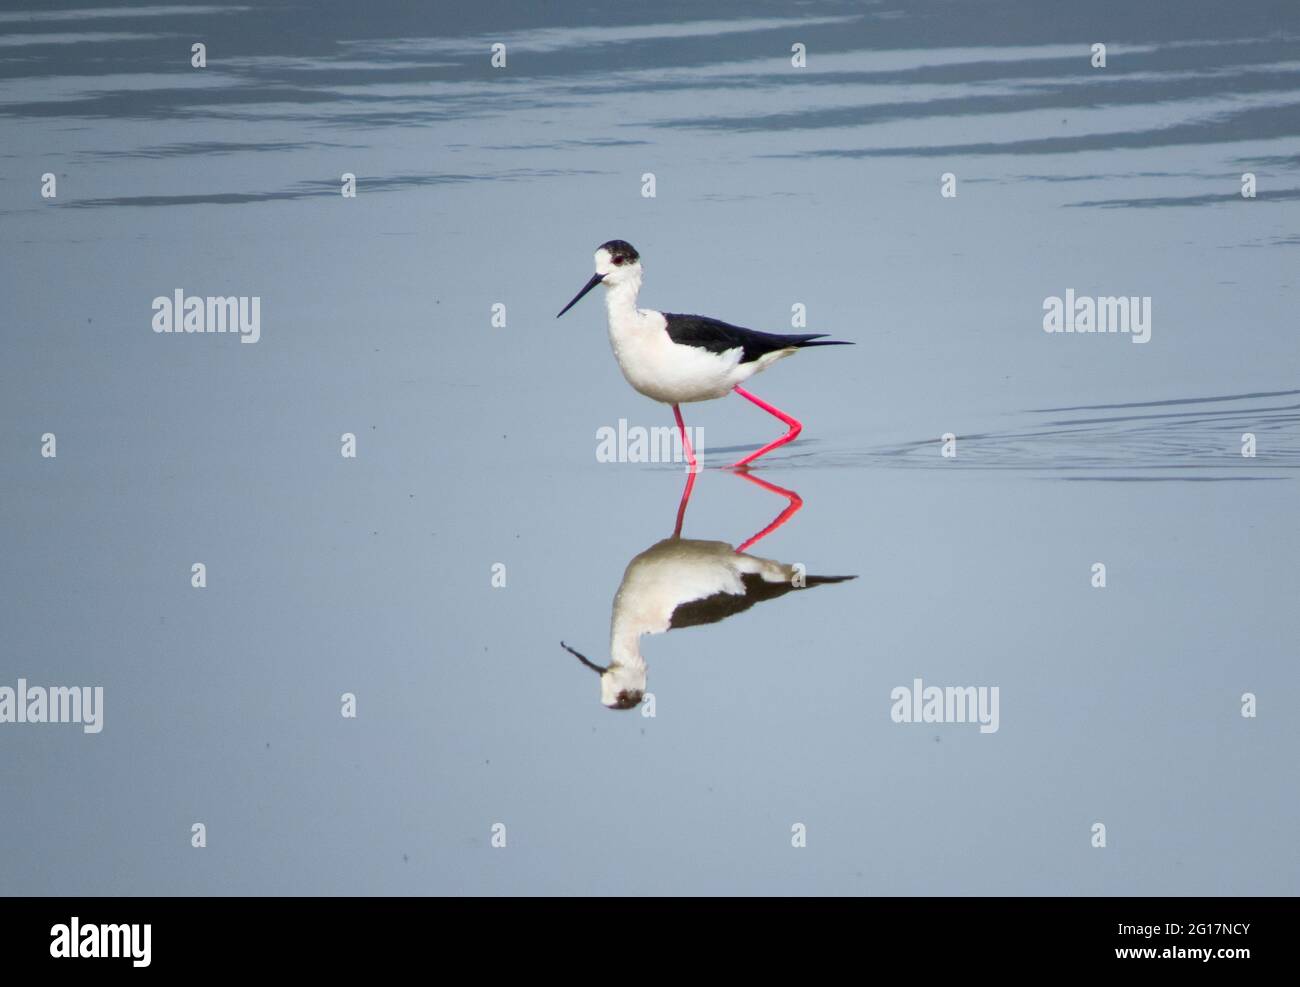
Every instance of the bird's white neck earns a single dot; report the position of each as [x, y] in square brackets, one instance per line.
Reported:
[620, 299]
[626, 673]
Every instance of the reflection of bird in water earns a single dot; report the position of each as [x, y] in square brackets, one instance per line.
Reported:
[685, 582]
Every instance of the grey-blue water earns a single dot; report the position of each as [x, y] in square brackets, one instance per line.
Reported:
[476, 447]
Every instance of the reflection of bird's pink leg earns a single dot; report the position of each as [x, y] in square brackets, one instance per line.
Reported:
[686, 442]
[795, 428]
[796, 502]
[686, 497]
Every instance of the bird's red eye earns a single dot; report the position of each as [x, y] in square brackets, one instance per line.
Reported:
[618, 261]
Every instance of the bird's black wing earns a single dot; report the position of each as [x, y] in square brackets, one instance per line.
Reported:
[720, 606]
[719, 337]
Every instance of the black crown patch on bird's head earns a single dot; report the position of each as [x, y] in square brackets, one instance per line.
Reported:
[628, 699]
[620, 252]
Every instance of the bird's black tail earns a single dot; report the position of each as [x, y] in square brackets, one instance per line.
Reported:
[818, 339]
[822, 580]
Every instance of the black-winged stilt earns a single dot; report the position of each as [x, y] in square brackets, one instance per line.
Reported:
[686, 582]
[677, 359]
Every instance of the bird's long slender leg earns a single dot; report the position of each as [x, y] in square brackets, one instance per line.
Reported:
[691, 464]
[795, 500]
[795, 428]
[686, 499]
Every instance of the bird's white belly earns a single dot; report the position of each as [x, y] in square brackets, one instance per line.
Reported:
[668, 372]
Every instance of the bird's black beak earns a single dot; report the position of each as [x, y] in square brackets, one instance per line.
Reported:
[595, 280]
[583, 658]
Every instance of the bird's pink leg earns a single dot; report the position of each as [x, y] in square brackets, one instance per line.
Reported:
[686, 442]
[686, 499]
[795, 428]
[795, 500]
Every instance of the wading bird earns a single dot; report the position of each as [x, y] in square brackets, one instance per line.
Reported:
[677, 359]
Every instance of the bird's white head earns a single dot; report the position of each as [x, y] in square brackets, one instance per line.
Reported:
[617, 264]
[622, 684]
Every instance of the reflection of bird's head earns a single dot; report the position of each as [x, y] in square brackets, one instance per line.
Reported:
[621, 686]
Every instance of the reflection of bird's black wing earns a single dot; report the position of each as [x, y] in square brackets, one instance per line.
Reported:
[719, 337]
[720, 606]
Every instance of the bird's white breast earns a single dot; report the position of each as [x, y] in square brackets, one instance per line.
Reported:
[664, 370]
[666, 575]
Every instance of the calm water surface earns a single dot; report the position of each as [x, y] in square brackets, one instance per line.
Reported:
[477, 446]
